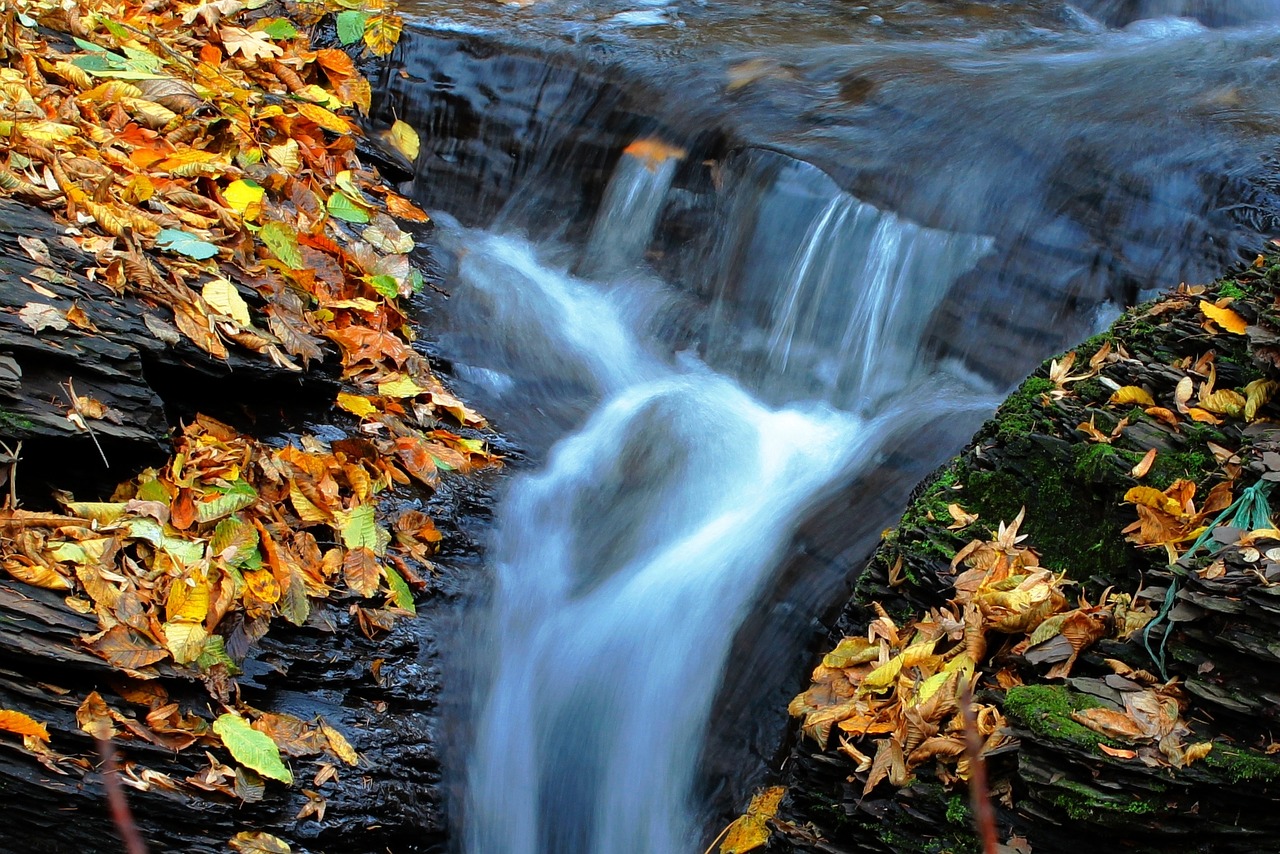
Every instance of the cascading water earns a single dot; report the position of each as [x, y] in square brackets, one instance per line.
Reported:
[689, 431]
[625, 565]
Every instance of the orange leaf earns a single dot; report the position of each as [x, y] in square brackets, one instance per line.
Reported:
[399, 206]
[1140, 470]
[653, 152]
[1117, 752]
[24, 725]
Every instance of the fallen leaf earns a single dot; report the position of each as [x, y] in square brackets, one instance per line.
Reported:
[40, 316]
[251, 748]
[1227, 318]
[1144, 465]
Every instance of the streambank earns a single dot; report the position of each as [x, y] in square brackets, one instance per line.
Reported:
[1070, 446]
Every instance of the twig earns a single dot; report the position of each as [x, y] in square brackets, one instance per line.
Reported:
[70, 391]
[718, 838]
[984, 816]
[120, 814]
[14, 455]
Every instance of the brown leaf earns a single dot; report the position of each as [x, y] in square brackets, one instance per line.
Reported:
[361, 570]
[1140, 470]
[1109, 723]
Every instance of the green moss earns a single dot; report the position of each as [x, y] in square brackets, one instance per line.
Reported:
[958, 811]
[1083, 803]
[1072, 530]
[13, 422]
[1231, 289]
[1046, 711]
[1091, 391]
[1023, 412]
[1094, 462]
[1194, 464]
[1241, 766]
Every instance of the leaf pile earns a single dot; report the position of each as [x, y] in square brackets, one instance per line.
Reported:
[188, 565]
[206, 158]
[203, 157]
[898, 689]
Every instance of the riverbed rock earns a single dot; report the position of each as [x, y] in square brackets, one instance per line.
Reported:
[1055, 789]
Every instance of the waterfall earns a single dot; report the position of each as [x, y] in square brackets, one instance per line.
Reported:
[626, 564]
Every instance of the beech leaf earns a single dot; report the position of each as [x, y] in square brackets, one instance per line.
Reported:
[340, 206]
[22, 724]
[224, 298]
[252, 749]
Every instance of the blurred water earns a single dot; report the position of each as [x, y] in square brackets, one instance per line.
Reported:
[911, 203]
[626, 563]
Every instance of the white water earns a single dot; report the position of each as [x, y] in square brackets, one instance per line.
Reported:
[625, 565]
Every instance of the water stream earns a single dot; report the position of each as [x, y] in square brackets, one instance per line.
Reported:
[694, 400]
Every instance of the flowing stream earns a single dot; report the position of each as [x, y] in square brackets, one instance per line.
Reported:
[695, 400]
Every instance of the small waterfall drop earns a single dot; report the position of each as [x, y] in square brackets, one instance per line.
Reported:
[627, 563]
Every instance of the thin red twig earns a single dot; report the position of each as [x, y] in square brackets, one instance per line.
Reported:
[984, 815]
[120, 813]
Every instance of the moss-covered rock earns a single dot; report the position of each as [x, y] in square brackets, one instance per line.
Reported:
[1062, 784]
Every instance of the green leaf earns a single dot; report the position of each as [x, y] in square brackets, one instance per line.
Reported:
[215, 652]
[359, 528]
[185, 243]
[235, 497]
[400, 592]
[282, 240]
[235, 538]
[351, 26]
[251, 748]
[385, 285]
[345, 209]
[277, 28]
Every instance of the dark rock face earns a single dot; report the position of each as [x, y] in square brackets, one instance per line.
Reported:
[123, 364]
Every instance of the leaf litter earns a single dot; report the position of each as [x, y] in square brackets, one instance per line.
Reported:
[202, 155]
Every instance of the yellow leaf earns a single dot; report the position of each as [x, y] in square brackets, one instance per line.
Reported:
[357, 405]
[328, 120]
[1132, 394]
[188, 602]
[139, 189]
[404, 139]
[1225, 402]
[1224, 317]
[381, 33]
[1258, 394]
[245, 197]
[23, 725]
[257, 842]
[338, 744]
[750, 831]
[400, 387]
[1149, 496]
[185, 640]
[223, 298]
